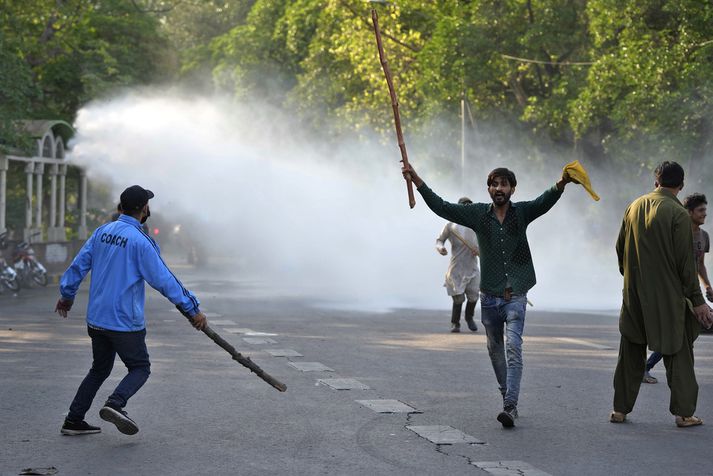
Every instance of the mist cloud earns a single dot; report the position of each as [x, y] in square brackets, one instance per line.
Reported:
[324, 220]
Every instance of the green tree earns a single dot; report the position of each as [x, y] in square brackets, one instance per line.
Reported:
[513, 60]
[342, 82]
[17, 89]
[191, 28]
[649, 96]
[77, 50]
[56, 56]
[250, 58]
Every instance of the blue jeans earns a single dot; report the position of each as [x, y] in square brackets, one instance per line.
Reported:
[501, 317]
[131, 348]
[654, 359]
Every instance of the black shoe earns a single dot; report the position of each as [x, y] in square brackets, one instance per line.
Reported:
[472, 325]
[73, 428]
[507, 417]
[455, 327]
[118, 417]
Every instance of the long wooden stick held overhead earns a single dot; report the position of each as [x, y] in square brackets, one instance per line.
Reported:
[394, 104]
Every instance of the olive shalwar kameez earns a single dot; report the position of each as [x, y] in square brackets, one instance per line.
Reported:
[660, 290]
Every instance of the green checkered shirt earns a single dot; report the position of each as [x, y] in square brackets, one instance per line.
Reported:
[505, 258]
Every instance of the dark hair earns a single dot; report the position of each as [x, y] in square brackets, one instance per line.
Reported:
[464, 200]
[502, 172]
[669, 174]
[694, 201]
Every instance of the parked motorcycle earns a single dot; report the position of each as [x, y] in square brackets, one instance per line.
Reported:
[8, 276]
[28, 269]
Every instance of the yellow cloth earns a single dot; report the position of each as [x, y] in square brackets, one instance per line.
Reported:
[577, 172]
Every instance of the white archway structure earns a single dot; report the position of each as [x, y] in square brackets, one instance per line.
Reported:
[47, 157]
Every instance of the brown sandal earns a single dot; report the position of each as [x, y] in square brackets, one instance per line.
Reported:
[617, 417]
[684, 422]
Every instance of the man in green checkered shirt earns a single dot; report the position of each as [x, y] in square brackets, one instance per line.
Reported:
[507, 272]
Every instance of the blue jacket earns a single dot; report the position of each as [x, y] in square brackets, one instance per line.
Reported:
[121, 257]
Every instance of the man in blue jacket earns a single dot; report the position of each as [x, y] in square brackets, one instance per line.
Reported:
[121, 257]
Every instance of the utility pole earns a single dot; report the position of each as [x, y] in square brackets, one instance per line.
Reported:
[462, 141]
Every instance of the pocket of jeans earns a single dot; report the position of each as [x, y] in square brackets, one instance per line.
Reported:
[487, 300]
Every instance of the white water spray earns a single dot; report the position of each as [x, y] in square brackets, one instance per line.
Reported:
[329, 223]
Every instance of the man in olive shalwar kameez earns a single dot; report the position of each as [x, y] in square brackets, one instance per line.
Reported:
[662, 303]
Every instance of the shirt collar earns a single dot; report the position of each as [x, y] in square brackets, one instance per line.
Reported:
[129, 219]
[669, 194]
[491, 210]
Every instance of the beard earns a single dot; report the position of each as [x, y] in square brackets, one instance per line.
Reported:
[500, 198]
[146, 217]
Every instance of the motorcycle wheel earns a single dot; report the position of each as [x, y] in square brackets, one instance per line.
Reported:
[13, 285]
[39, 277]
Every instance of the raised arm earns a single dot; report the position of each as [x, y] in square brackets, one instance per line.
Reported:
[463, 214]
[409, 173]
[564, 180]
[542, 204]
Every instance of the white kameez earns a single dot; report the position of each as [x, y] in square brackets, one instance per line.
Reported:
[463, 275]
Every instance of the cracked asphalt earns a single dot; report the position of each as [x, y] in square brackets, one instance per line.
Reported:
[203, 413]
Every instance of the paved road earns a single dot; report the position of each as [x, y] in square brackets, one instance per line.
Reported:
[202, 413]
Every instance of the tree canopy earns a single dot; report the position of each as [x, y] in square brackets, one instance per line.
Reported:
[620, 81]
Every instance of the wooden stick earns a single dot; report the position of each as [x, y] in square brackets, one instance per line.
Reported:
[394, 105]
[462, 240]
[238, 357]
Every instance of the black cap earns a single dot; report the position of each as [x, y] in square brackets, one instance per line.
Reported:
[134, 198]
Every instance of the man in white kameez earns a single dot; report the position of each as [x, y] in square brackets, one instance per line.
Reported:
[463, 275]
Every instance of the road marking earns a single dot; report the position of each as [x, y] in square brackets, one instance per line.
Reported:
[259, 334]
[223, 322]
[259, 340]
[388, 406]
[283, 353]
[509, 468]
[237, 330]
[310, 366]
[443, 435]
[585, 343]
[343, 384]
